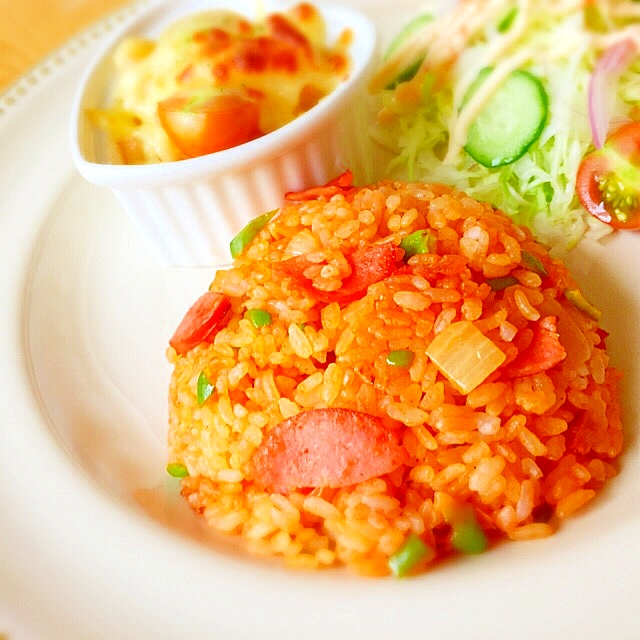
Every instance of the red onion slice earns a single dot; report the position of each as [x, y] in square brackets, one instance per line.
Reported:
[604, 81]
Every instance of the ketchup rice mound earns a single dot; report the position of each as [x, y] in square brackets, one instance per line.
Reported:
[389, 375]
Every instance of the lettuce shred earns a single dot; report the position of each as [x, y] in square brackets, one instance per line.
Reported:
[557, 41]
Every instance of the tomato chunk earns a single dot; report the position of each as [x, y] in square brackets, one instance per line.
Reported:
[608, 180]
[544, 352]
[211, 122]
[368, 265]
[201, 322]
[328, 447]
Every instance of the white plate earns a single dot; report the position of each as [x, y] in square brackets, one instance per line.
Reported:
[94, 542]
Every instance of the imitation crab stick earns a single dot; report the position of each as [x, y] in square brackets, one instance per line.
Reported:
[328, 447]
[201, 322]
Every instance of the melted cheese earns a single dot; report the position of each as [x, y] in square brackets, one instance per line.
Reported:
[282, 60]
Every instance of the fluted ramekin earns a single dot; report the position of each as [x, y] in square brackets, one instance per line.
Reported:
[189, 210]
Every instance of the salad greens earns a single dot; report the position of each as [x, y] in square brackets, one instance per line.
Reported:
[424, 120]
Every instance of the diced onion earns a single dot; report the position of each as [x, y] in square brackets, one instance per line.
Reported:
[464, 355]
[603, 86]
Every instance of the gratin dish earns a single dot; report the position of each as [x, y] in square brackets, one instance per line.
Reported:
[189, 210]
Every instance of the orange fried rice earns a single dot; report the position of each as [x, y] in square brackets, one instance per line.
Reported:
[521, 446]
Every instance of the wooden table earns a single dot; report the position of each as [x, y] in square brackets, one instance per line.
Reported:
[31, 29]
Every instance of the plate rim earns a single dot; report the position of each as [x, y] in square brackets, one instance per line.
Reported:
[125, 520]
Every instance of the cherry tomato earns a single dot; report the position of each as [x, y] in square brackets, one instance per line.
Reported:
[608, 180]
[198, 125]
[201, 323]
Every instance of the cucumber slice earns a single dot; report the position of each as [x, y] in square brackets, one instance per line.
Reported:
[510, 122]
[407, 31]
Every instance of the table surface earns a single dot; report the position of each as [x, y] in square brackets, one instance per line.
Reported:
[31, 29]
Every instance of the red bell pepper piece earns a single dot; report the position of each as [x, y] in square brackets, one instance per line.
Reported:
[544, 352]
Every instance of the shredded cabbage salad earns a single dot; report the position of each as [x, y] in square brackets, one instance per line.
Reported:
[424, 121]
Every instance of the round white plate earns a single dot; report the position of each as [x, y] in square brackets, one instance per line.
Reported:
[94, 540]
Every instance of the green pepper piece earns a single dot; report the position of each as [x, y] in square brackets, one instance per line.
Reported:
[421, 241]
[498, 284]
[400, 358]
[412, 552]
[468, 536]
[259, 317]
[534, 264]
[204, 388]
[177, 470]
[250, 231]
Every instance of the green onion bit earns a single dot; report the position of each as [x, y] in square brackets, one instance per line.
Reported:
[259, 317]
[250, 231]
[177, 470]
[204, 389]
[412, 552]
[421, 241]
[498, 284]
[400, 358]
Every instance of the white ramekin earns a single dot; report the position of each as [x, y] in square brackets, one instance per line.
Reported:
[189, 210]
